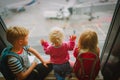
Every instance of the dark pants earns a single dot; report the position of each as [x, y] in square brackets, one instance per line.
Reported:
[62, 70]
[40, 72]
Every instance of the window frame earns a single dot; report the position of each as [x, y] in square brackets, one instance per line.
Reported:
[112, 35]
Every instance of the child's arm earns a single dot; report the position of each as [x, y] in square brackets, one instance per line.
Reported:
[18, 68]
[37, 54]
[72, 37]
[75, 52]
[24, 74]
[71, 42]
[45, 45]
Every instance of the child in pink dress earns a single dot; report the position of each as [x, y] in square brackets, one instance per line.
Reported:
[58, 51]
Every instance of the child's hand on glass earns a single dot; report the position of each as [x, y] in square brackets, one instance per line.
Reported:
[73, 37]
[42, 41]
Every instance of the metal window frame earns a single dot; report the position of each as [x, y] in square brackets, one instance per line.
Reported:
[3, 41]
[111, 36]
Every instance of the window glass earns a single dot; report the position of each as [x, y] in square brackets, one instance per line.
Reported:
[74, 16]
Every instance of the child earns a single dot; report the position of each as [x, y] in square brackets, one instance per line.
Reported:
[87, 50]
[20, 66]
[58, 51]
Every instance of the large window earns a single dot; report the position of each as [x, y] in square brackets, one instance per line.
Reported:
[74, 16]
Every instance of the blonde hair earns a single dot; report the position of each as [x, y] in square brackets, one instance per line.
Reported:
[16, 32]
[56, 35]
[88, 41]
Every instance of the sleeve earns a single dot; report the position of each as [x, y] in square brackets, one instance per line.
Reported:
[26, 47]
[15, 65]
[75, 52]
[46, 47]
[71, 44]
[45, 44]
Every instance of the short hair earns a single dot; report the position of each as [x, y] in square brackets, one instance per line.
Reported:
[56, 35]
[88, 40]
[16, 32]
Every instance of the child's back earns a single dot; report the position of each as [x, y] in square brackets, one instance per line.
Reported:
[87, 66]
[59, 53]
[87, 63]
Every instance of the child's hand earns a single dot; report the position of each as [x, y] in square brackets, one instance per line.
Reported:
[45, 63]
[42, 41]
[73, 37]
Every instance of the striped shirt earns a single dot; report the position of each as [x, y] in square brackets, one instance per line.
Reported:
[15, 65]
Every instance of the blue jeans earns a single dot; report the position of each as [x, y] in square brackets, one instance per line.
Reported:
[58, 77]
[62, 70]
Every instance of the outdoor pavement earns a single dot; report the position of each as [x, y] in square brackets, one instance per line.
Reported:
[33, 19]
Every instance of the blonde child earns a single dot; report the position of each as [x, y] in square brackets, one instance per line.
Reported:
[58, 51]
[20, 67]
[87, 50]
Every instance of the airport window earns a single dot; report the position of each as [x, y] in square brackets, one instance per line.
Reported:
[110, 52]
[74, 16]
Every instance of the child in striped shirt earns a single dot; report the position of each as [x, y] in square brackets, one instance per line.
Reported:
[23, 70]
